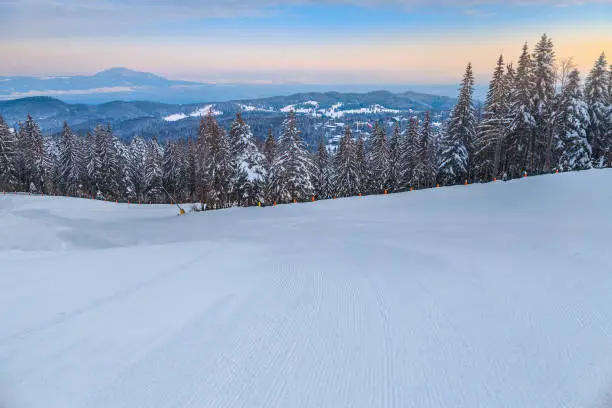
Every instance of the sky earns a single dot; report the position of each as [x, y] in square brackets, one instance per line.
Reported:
[294, 41]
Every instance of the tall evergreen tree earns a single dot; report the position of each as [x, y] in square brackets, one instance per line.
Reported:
[323, 172]
[153, 171]
[291, 173]
[8, 151]
[425, 173]
[597, 99]
[361, 165]
[544, 102]
[173, 170]
[494, 127]
[522, 150]
[218, 164]
[410, 153]
[32, 158]
[346, 172]
[70, 157]
[108, 175]
[573, 124]
[250, 172]
[458, 139]
[379, 161]
[396, 144]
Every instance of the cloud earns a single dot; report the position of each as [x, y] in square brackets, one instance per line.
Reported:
[48, 92]
[107, 17]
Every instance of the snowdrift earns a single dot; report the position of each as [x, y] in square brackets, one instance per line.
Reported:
[493, 295]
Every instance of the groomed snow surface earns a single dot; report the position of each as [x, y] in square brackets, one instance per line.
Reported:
[495, 295]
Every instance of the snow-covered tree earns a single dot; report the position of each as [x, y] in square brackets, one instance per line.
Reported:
[597, 99]
[322, 177]
[270, 149]
[544, 102]
[8, 152]
[346, 172]
[250, 171]
[573, 123]
[379, 160]
[33, 160]
[458, 138]
[137, 166]
[291, 174]
[361, 165]
[153, 171]
[174, 176]
[70, 158]
[218, 165]
[108, 175]
[522, 144]
[425, 173]
[494, 126]
[396, 145]
[410, 153]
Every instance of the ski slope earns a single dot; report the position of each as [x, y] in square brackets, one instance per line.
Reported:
[495, 295]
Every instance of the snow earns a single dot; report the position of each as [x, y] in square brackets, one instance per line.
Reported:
[12, 130]
[251, 108]
[492, 295]
[334, 112]
[175, 117]
[203, 111]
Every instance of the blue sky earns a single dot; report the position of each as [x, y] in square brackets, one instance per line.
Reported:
[313, 41]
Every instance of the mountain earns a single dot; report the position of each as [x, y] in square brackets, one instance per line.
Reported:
[320, 115]
[125, 84]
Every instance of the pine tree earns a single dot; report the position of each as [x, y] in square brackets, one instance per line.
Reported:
[346, 172]
[396, 144]
[8, 151]
[494, 128]
[108, 174]
[597, 99]
[249, 172]
[323, 172]
[174, 175]
[426, 167]
[270, 150]
[573, 124]
[522, 151]
[379, 161]
[32, 159]
[153, 171]
[458, 139]
[70, 157]
[361, 165]
[410, 153]
[291, 173]
[137, 167]
[217, 164]
[544, 102]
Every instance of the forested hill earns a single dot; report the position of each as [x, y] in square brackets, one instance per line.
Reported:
[318, 113]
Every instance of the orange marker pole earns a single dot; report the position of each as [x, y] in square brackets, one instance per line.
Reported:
[313, 198]
[386, 191]
[466, 182]
[437, 186]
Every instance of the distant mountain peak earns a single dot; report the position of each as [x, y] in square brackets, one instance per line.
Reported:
[122, 72]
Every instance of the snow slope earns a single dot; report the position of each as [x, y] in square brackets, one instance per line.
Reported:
[492, 295]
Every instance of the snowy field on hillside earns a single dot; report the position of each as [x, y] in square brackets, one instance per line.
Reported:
[496, 295]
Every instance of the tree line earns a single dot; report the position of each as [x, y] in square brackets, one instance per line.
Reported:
[537, 118]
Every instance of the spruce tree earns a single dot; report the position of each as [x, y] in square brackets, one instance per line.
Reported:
[361, 165]
[597, 99]
[323, 172]
[32, 156]
[522, 152]
[458, 138]
[108, 173]
[218, 164]
[346, 172]
[291, 173]
[174, 176]
[410, 153]
[153, 171]
[70, 157]
[8, 151]
[249, 164]
[544, 102]
[396, 145]
[573, 124]
[379, 161]
[494, 127]
[426, 167]
[137, 167]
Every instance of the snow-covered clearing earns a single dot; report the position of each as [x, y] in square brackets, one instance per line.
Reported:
[492, 295]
